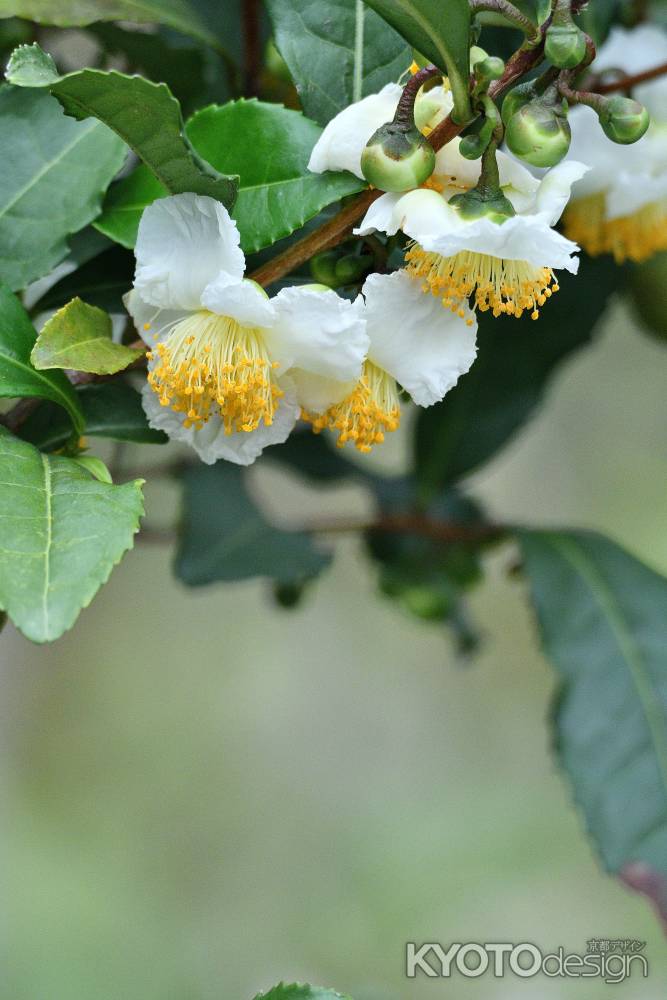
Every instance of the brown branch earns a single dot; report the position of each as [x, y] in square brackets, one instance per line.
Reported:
[252, 44]
[627, 82]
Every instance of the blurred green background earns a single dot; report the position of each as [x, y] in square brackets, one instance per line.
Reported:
[205, 794]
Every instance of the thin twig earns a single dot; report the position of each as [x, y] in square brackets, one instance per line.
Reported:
[628, 82]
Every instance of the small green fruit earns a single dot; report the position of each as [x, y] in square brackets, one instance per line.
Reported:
[351, 268]
[539, 133]
[323, 268]
[397, 158]
[623, 120]
[565, 45]
[516, 99]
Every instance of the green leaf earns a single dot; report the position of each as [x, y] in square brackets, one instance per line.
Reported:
[54, 172]
[101, 281]
[111, 410]
[61, 534]
[269, 147]
[95, 466]
[300, 991]
[79, 337]
[602, 618]
[318, 39]
[17, 376]
[177, 14]
[144, 114]
[225, 537]
[513, 365]
[440, 32]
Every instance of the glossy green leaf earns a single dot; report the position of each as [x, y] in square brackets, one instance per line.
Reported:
[507, 381]
[269, 147]
[110, 410]
[17, 376]
[144, 114]
[225, 537]
[78, 337]
[602, 616]
[54, 173]
[321, 40]
[61, 534]
[441, 33]
[178, 14]
[300, 991]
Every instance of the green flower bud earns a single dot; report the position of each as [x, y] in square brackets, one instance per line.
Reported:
[623, 120]
[539, 133]
[477, 54]
[397, 158]
[351, 268]
[516, 99]
[480, 204]
[491, 68]
[323, 269]
[565, 45]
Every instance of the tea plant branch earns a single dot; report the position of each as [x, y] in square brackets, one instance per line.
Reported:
[628, 82]
[511, 14]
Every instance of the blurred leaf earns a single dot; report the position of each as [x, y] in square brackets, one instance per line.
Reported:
[300, 991]
[111, 410]
[647, 285]
[316, 38]
[602, 616]
[313, 456]
[537, 10]
[54, 172]
[145, 115]
[269, 146]
[225, 537]
[508, 379]
[17, 376]
[597, 18]
[440, 32]
[61, 534]
[78, 337]
[177, 14]
[102, 281]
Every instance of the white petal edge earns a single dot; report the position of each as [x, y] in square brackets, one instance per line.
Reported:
[341, 144]
[555, 188]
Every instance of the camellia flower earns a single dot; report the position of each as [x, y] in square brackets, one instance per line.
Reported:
[620, 207]
[413, 342]
[221, 350]
[506, 263]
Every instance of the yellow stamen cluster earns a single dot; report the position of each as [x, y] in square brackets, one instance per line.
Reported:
[631, 237]
[364, 416]
[211, 364]
[509, 287]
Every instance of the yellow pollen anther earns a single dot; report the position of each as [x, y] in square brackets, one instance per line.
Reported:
[147, 326]
[506, 287]
[363, 417]
[414, 67]
[235, 381]
[633, 237]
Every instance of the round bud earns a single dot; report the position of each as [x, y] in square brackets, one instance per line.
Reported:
[491, 68]
[351, 268]
[478, 204]
[323, 269]
[539, 134]
[516, 99]
[565, 45]
[623, 120]
[397, 158]
[476, 55]
[472, 146]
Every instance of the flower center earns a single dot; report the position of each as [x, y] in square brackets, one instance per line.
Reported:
[504, 286]
[363, 417]
[631, 237]
[211, 364]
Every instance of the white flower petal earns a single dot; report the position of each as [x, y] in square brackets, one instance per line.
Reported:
[630, 193]
[380, 216]
[145, 315]
[211, 443]
[318, 331]
[184, 242]
[243, 301]
[341, 144]
[523, 237]
[425, 347]
[316, 393]
[554, 190]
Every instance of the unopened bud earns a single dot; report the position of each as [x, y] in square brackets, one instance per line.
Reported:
[491, 68]
[623, 120]
[351, 268]
[539, 133]
[565, 45]
[397, 158]
[516, 99]
[323, 269]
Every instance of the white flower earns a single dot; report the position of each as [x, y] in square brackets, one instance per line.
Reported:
[507, 267]
[341, 144]
[221, 350]
[620, 207]
[413, 342]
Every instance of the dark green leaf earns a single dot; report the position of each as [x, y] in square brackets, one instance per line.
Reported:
[441, 33]
[17, 376]
[111, 410]
[61, 534]
[318, 40]
[269, 146]
[144, 114]
[506, 382]
[225, 537]
[78, 337]
[300, 991]
[602, 616]
[102, 281]
[312, 455]
[54, 172]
